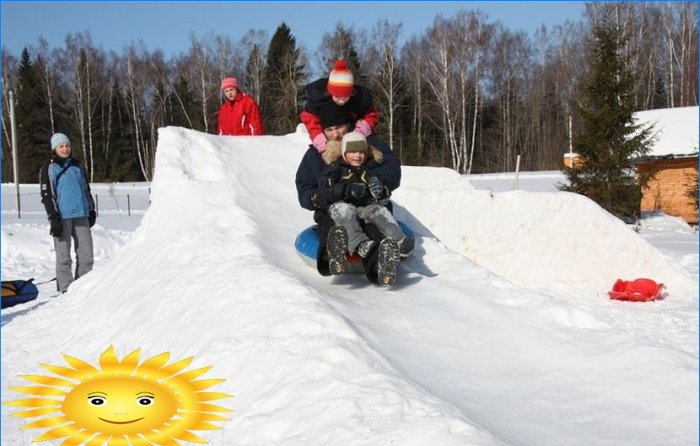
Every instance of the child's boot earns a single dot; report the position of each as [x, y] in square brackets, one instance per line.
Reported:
[387, 261]
[337, 247]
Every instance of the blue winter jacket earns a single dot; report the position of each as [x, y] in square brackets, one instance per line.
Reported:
[312, 165]
[65, 191]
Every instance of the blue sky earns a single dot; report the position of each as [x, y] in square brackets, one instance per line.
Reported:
[167, 24]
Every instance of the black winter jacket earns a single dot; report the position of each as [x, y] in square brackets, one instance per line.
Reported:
[312, 166]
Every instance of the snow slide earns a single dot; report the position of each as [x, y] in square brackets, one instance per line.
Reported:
[465, 350]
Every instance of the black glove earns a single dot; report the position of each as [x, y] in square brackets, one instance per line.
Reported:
[56, 227]
[355, 191]
[92, 218]
[376, 187]
[327, 195]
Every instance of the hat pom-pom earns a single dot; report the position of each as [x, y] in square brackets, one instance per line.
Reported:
[340, 65]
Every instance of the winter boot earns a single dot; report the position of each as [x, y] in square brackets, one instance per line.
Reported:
[337, 249]
[406, 246]
[365, 248]
[388, 260]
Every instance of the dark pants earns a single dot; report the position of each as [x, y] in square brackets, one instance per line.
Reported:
[325, 222]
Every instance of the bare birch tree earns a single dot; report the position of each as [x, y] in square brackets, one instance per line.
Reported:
[383, 70]
[254, 46]
[135, 95]
[201, 77]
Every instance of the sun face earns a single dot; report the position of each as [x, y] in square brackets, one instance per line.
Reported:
[121, 403]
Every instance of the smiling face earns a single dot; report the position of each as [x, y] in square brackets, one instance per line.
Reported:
[355, 159]
[63, 150]
[120, 405]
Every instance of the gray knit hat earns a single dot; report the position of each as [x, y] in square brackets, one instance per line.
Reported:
[57, 139]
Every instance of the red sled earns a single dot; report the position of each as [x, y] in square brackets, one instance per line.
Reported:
[638, 290]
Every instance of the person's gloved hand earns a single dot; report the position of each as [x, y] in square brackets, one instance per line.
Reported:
[355, 191]
[361, 126]
[320, 142]
[376, 187]
[327, 195]
[56, 227]
[92, 218]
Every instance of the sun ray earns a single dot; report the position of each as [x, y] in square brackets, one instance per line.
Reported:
[212, 417]
[155, 362]
[137, 440]
[47, 422]
[108, 361]
[34, 402]
[63, 371]
[190, 437]
[59, 432]
[204, 426]
[130, 362]
[37, 412]
[210, 396]
[39, 390]
[97, 440]
[80, 365]
[118, 440]
[204, 384]
[48, 380]
[156, 437]
[177, 366]
[77, 438]
[193, 374]
[204, 407]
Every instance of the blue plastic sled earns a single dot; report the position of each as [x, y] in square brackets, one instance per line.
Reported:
[18, 292]
[307, 244]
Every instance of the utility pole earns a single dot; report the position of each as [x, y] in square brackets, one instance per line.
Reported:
[15, 161]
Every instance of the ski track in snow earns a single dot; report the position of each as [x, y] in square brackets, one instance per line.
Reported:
[498, 332]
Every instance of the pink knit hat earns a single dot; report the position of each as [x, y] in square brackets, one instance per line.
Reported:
[229, 82]
[340, 82]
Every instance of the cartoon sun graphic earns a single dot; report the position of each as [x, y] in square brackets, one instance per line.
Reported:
[124, 403]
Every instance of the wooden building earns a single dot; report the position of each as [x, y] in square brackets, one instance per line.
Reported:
[674, 158]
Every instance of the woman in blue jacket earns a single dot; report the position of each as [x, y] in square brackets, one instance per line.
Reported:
[65, 193]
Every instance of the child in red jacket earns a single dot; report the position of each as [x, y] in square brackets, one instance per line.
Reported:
[239, 114]
[338, 88]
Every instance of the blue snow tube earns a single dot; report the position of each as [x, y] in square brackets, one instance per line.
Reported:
[307, 244]
[18, 292]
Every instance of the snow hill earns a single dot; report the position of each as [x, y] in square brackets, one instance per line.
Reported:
[499, 331]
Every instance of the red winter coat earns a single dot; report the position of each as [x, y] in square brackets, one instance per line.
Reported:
[240, 117]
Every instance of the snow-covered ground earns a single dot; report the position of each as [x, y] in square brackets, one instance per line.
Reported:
[498, 332]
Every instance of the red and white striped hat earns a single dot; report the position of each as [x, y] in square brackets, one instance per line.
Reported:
[340, 82]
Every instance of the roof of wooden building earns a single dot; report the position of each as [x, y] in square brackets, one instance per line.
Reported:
[676, 130]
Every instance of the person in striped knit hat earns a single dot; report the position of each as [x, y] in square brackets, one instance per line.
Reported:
[338, 88]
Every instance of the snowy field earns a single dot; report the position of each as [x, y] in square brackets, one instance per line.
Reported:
[498, 332]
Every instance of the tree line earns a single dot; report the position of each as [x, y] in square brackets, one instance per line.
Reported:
[467, 93]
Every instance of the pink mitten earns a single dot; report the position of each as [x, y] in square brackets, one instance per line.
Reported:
[361, 126]
[320, 142]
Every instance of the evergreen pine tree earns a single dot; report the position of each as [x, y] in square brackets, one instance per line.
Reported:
[120, 162]
[32, 118]
[282, 83]
[609, 139]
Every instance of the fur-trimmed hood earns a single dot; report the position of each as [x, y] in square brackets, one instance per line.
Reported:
[333, 152]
